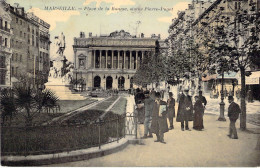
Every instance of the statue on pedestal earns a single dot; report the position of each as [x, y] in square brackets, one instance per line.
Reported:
[60, 68]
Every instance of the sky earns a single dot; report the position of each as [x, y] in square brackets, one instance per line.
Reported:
[75, 16]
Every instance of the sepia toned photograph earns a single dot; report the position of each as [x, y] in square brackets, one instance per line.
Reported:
[130, 83]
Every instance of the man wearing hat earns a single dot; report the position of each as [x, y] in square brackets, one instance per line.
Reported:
[233, 114]
[148, 108]
[185, 110]
[171, 109]
[159, 121]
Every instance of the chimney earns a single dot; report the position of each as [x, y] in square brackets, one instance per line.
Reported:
[142, 35]
[90, 34]
[159, 36]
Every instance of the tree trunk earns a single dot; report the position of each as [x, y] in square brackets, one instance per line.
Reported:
[243, 99]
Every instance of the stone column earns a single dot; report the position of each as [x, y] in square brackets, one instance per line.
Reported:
[124, 58]
[100, 58]
[142, 56]
[94, 58]
[112, 63]
[75, 59]
[130, 64]
[136, 58]
[118, 56]
[106, 59]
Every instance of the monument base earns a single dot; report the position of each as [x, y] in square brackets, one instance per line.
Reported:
[62, 90]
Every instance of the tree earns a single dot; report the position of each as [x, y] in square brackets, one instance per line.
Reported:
[7, 108]
[152, 68]
[238, 42]
[27, 100]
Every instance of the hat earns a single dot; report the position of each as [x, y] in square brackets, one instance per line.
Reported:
[230, 98]
[186, 89]
[146, 92]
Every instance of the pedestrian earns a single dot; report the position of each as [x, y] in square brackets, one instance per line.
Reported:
[198, 114]
[139, 101]
[238, 93]
[185, 110]
[159, 121]
[171, 110]
[202, 98]
[233, 114]
[250, 96]
[148, 108]
[225, 93]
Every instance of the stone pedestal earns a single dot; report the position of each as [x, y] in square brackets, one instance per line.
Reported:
[61, 89]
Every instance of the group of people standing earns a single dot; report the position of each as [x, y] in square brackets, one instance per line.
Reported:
[153, 112]
[156, 112]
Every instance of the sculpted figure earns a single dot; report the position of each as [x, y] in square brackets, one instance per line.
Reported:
[60, 43]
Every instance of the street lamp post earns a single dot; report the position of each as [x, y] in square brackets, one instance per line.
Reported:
[222, 104]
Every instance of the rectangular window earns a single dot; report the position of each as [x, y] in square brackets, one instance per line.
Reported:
[12, 71]
[33, 40]
[24, 35]
[2, 76]
[21, 22]
[20, 58]
[12, 57]
[16, 57]
[1, 40]
[2, 62]
[28, 29]
[16, 71]
[5, 25]
[6, 41]
[16, 20]
[21, 33]
[2, 70]
[1, 23]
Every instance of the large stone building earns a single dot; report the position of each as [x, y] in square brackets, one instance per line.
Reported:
[5, 45]
[30, 45]
[43, 40]
[110, 61]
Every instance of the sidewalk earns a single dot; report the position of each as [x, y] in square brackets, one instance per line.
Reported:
[210, 147]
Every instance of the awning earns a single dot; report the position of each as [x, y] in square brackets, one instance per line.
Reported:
[209, 77]
[14, 79]
[253, 79]
[229, 75]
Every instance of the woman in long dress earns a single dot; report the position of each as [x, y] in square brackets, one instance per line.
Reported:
[198, 114]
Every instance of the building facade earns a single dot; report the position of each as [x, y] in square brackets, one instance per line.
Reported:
[110, 61]
[30, 44]
[201, 31]
[5, 45]
[43, 40]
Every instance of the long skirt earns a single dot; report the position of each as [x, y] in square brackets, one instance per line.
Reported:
[198, 120]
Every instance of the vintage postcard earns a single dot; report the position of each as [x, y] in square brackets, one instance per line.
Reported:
[130, 83]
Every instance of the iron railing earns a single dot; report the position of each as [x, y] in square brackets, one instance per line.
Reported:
[59, 138]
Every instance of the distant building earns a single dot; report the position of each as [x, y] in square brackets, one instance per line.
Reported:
[110, 61]
[5, 45]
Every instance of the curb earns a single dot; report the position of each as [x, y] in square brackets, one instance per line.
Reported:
[63, 157]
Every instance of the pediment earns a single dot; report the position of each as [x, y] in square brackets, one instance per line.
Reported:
[82, 55]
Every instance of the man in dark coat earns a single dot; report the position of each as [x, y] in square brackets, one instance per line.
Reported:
[198, 114]
[148, 108]
[185, 110]
[159, 121]
[171, 109]
[202, 98]
[139, 101]
[233, 114]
